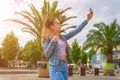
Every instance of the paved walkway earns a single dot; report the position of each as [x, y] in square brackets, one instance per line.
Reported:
[35, 77]
[32, 75]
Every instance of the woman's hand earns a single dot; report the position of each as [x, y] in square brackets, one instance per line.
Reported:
[89, 15]
[56, 38]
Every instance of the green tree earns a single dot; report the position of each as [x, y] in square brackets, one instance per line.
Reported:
[83, 57]
[26, 51]
[75, 51]
[105, 36]
[3, 62]
[69, 59]
[31, 51]
[10, 46]
[103, 51]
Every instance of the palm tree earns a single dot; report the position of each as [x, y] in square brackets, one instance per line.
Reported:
[36, 17]
[105, 36]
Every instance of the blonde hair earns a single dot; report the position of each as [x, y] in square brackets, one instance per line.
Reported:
[47, 30]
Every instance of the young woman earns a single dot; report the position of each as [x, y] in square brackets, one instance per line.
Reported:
[56, 48]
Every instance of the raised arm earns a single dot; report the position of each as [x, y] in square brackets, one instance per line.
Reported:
[80, 27]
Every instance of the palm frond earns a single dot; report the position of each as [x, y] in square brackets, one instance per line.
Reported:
[20, 22]
[35, 18]
[67, 28]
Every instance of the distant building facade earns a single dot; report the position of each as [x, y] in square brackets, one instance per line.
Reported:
[98, 58]
[116, 56]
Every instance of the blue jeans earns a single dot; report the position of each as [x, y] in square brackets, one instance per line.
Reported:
[59, 72]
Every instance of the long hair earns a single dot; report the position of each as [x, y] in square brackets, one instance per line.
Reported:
[47, 30]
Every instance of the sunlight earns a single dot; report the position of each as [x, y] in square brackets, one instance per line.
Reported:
[5, 6]
[9, 7]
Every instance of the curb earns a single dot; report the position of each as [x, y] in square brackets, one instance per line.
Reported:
[18, 71]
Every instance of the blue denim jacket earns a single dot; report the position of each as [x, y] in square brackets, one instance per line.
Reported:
[51, 47]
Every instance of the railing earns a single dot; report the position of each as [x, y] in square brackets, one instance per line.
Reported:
[19, 64]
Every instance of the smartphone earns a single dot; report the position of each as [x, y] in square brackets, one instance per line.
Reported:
[90, 10]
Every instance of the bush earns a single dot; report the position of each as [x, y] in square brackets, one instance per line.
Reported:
[3, 63]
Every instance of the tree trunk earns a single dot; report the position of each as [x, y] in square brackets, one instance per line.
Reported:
[109, 56]
[108, 68]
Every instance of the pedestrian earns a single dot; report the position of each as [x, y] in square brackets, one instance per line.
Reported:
[56, 48]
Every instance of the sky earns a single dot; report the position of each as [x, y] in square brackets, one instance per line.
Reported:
[104, 11]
